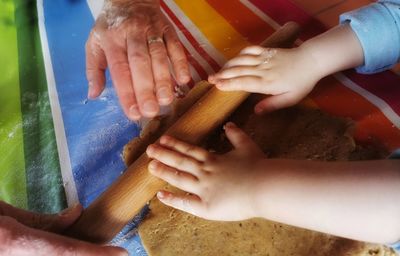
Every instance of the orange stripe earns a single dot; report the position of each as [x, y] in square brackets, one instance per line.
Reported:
[214, 27]
[243, 20]
[371, 125]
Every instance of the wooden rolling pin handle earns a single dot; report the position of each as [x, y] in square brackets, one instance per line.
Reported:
[124, 199]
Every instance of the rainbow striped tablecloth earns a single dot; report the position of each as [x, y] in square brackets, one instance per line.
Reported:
[56, 147]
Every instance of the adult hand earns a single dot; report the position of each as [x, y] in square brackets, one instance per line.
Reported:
[28, 233]
[136, 41]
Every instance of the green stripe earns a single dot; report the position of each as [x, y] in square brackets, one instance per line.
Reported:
[12, 165]
[44, 181]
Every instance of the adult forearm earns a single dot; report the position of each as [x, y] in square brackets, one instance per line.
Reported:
[357, 200]
[335, 50]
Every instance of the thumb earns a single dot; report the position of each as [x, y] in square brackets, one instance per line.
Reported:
[240, 140]
[49, 222]
[275, 102]
[61, 221]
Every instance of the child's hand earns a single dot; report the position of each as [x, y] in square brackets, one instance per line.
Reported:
[220, 187]
[288, 75]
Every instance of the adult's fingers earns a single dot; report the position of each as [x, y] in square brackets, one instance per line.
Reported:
[175, 159]
[187, 203]
[17, 239]
[176, 178]
[121, 75]
[240, 140]
[142, 75]
[276, 102]
[197, 153]
[49, 222]
[253, 50]
[177, 56]
[160, 66]
[96, 65]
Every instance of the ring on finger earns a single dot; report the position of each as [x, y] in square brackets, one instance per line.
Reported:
[268, 54]
[155, 39]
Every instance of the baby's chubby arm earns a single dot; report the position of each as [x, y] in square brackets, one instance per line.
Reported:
[288, 75]
[356, 200]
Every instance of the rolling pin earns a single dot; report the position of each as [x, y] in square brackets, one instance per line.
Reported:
[124, 199]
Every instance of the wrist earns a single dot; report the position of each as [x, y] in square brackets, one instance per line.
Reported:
[116, 12]
[259, 180]
[317, 65]
[335, 50]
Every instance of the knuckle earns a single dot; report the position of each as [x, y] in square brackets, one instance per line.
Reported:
[157, 49]
[139, 56]
[179, 161]
[120, 66]
[179, 60]
[139, 20]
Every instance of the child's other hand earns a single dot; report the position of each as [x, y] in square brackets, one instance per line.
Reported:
[220, 187]
[287, 75]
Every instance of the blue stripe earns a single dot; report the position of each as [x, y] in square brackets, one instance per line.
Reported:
[96, 131]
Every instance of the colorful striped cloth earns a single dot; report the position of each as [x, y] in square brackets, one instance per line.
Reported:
[57, 147]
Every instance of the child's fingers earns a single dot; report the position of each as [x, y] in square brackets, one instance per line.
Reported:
[242, 83]
[176, 178]
[276, 102]
[187, 203]
[243, 60]
[252, 50]
[240, 140]
[197, 153]
[238, 71]
[175, 159]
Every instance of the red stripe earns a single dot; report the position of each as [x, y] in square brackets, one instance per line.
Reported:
[215, 66]
[243, 20]
[283, 11]
[385, 85]
[202, 73]
[370, 122]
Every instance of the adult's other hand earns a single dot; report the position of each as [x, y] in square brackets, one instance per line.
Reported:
[28, 233]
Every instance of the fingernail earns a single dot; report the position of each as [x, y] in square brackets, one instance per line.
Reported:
[164, 94]
[91, 94]
[219, 85]
[184, 77]
[161, 194]
[150, 150]
[150, 107]
[134, 112]
[164, 139]
[229, 125]
[152, 165]
[259, 110]
[69, 209]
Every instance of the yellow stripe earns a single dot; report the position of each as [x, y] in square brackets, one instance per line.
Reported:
[214, 27]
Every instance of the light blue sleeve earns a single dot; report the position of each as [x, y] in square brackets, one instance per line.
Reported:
[377, 26]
